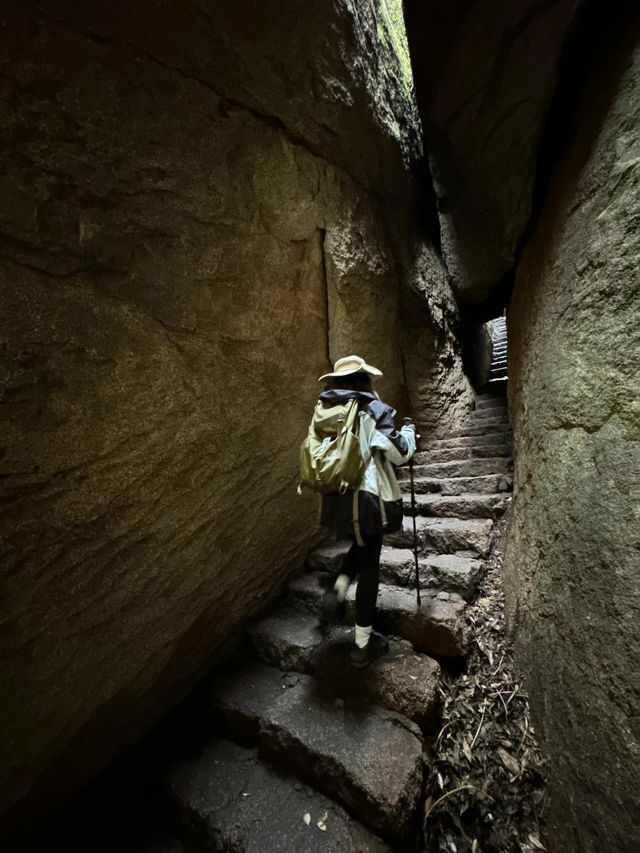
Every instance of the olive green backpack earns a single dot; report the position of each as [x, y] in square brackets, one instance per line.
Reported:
[330, 458]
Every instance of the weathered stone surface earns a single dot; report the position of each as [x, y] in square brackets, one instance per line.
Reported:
[476, 429]
[456, 485]
[369, 759]
[451, 454]
[444, 535]
[287, 638]
[485, 75]
[437, 387]
[231, 800]
[484, 402]
[571, 562]
[402, 680]
[495, 439]
[436, 627]
[458, 506]
[328, 557]
[493, 415]
[448, 535]
[486, 419]
[451, 573]
[465, 468]
[189, 213]
[305, 590]
[446, 572]
[397, 566]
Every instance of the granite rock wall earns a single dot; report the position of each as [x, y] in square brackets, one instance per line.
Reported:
[192, 227]
[572, 582]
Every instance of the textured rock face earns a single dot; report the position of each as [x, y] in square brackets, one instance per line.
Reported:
[189, 231]
[572, 557]
[485, 75]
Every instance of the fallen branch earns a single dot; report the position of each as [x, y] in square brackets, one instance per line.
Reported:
[448, 794]
[475, 737]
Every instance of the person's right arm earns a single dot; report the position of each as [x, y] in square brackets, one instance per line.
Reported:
[398, 445]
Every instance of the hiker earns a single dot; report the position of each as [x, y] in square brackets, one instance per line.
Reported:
[368, 502]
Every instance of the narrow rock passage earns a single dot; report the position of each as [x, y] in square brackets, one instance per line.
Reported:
[307, 753]
[288, 747]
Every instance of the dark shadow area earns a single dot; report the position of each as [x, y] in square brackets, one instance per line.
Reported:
[598, 32]
[476, 351]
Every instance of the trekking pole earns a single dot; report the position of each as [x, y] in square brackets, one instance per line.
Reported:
[413, 515]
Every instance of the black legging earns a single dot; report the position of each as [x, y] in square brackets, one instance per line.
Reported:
[364, 563]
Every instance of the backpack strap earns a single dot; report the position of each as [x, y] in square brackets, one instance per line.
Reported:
[356, 519]
[352, 418]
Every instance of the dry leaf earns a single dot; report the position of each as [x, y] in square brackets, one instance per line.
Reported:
[321, 823]
[307, 818]
[508, 760]
[467, 751]
[536, 842]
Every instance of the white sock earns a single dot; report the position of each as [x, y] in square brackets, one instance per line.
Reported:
[362, 635]
[341, 586]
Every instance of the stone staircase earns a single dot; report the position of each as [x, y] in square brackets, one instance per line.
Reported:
[308, 753]
[499, 353]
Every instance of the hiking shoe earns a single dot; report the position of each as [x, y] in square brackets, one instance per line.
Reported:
[332, 608]
[375, 648]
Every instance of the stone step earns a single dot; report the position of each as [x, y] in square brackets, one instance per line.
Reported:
[488, 418]
[489, 483]
[368, 759]
[458, 506]
[448, 573]
[287, 638]
[445, 535]
[230, 799]
[451, 454]
[444, 572]
[491, 403]
[498, 372]
[480, 428]
[496, 439]
[436, 628]
[401, 681]
[497, 387]
[465, 467]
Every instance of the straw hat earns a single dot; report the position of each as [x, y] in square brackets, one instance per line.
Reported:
[351, 364]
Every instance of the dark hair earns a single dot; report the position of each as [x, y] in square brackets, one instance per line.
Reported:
[350, 382]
